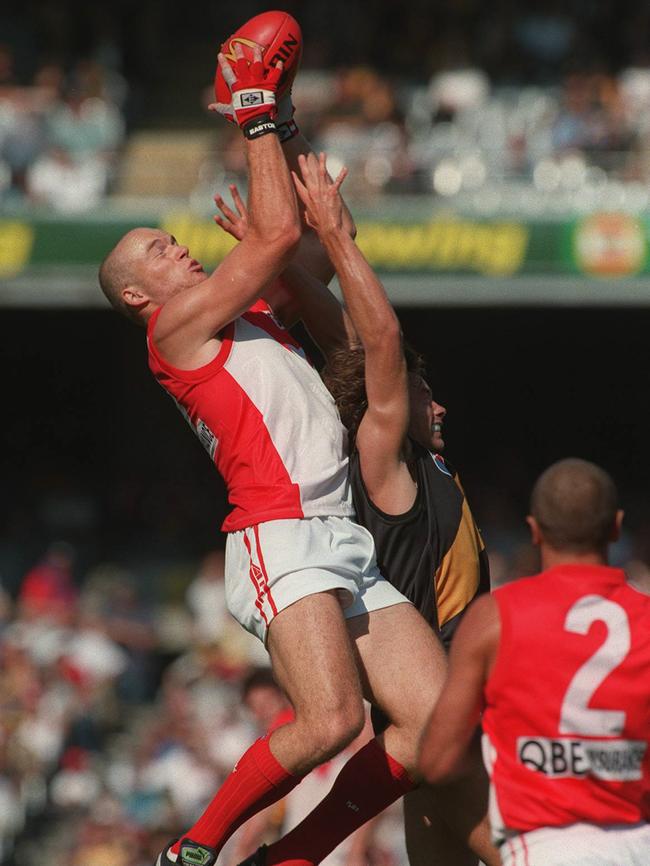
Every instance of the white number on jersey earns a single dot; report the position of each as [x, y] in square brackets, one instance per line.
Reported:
[576, 717]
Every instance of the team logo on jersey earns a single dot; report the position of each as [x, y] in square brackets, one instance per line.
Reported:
[439, 462]
[206, 437]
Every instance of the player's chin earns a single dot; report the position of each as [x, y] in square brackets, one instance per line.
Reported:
[437, 442]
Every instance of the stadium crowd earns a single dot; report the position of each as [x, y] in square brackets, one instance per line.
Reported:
[121, 712]
[454, 104]
[119, 718]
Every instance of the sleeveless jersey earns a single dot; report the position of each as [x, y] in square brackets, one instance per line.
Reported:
[434, 553]
[567, 718]
[267, 421]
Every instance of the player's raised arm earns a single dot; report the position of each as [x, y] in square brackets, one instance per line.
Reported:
[384, 425]
[298, 295]
[311, 254]
[191, 318]
[302, 293]
[311, 269]
[148, 273]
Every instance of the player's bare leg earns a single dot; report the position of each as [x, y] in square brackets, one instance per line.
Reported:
[315, 664]
[403, 667]
[313, 661]
[453, 817]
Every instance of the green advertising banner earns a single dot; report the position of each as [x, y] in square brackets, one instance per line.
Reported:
[601, 244]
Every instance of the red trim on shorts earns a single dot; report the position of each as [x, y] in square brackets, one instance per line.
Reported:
[259, 604]
[267, 590]
[513, 852]
[525, 847]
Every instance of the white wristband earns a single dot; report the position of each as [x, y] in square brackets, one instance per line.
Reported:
[252, 96]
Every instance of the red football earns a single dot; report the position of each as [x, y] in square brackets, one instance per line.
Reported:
[279, 36]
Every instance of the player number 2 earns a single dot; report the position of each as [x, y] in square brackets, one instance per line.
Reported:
[576, 717]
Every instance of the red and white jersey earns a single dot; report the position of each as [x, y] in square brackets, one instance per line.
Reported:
[567, 718]
[267, 421]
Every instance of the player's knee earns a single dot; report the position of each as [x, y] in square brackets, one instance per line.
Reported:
[337, 728]
[347, 723]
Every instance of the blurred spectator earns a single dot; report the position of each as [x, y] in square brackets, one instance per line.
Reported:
[83, 131]
[66, 184]
[76, 783]
[206, 598]
[84, 124]
[129, 622]
[48, 589]
[22, 131]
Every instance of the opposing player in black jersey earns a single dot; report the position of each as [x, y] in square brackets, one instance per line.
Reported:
[408, 496]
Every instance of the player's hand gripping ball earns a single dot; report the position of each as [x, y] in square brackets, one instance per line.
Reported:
[279, 37]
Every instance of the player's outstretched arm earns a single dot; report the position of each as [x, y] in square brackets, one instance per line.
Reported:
[383, 428]
[193, 317]
[458, 709]
[311, 254]
[311, 269]
[298, 294]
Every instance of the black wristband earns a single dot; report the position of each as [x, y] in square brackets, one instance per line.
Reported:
[287, 130]
[258, 126]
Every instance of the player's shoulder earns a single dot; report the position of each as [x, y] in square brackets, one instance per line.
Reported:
[525, 583]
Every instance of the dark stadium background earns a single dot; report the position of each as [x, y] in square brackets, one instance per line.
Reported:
[84, 420]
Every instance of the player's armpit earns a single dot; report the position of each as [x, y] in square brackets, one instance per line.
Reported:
[459, 706]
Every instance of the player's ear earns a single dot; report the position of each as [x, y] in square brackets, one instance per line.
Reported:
[535, 531]
[134, 297]
[616, 528]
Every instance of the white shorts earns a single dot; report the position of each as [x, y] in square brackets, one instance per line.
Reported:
[274, 564]
[580, 845]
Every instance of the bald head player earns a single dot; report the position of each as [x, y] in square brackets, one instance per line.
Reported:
[558, 663]
[300, 573]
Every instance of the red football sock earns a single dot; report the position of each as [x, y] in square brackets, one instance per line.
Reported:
[369, 782]
[257, 781]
